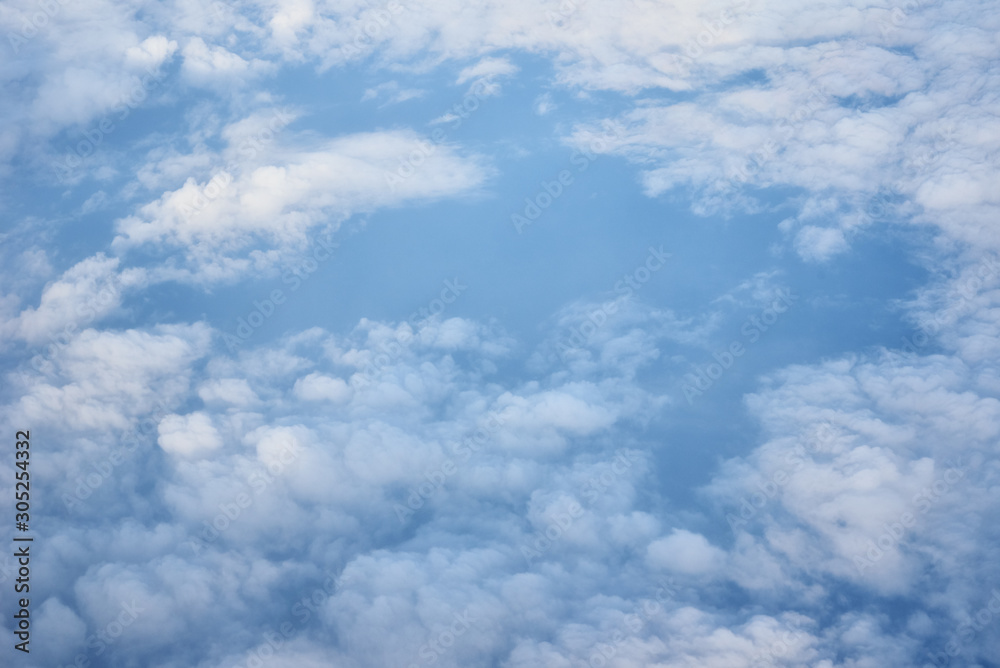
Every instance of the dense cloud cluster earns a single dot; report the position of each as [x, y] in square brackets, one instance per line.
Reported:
[435, 492]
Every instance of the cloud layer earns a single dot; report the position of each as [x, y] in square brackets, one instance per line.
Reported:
[466, 490]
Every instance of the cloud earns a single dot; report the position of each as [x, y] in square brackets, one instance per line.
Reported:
[151, 52]
[206, 65]
[819, 244]
[685, 552]
[332, 475]
[60, 77]
[234, 391]
[101, 380]
[391, 480]
[392, 92]
[85, 292]
[544, 104]
[279, 201]
[188, 435]
[487, 68]
[317, 387]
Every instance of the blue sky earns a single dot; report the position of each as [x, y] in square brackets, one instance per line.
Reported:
[512, 334]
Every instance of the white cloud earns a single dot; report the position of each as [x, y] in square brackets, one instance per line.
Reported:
[188, 435]
[210, 65]
[84, 293]
[279, 200]
[487, 68]
[318, 387]
[102, 380]
[392, 92]
[59, 76]
[818, 99]
[687, 553]
[235, 391]
[819, 243]
[544, 104]
[151, 52]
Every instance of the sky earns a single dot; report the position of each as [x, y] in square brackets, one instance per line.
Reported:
[552, 334]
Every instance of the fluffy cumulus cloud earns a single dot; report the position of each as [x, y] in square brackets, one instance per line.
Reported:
[253, 209]
[474, 518]
[188, 435]
[506, 481]
[60, 77]
[685, 552]
[87, 291]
